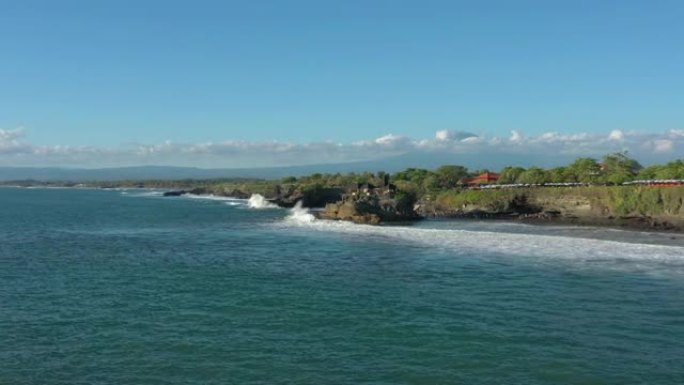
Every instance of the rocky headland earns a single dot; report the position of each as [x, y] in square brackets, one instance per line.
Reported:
[634, 207]
[650, 208]
[364, 203]
[372, 209]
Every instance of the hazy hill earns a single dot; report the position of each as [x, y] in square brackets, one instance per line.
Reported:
[397, 163]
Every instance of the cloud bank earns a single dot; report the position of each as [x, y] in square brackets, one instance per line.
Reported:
[553, 147]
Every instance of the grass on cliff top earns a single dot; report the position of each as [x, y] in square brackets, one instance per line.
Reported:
[615, 200]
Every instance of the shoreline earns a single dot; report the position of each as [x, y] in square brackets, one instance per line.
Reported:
[634, 223]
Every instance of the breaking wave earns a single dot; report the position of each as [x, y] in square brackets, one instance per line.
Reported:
[670, 258]
[212, 197]
[138, 193]
[230, 201]
[299, 214]
[257, 201]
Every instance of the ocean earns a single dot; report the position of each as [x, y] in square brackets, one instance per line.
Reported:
[129, 287]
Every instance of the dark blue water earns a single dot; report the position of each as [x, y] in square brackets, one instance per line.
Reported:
[125, 287]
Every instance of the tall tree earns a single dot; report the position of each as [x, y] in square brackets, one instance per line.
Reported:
[509, 175]
[619, 168]
[557, 175]
[533, 175]
[584, 170]
[448, 176]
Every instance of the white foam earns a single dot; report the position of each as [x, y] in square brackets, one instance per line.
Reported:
[212, 197]
[142, 194]
[299, 214]
[47, 187]
[257, 201]
[470, 242]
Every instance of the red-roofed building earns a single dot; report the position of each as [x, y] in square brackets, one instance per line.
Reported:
[484, 178]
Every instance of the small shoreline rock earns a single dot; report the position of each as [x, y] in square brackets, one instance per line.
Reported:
[174, 193]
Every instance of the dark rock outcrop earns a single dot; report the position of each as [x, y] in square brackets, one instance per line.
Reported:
[199, 191]
[236, 193]
[175, 193]
[315, 196]
[371, 210]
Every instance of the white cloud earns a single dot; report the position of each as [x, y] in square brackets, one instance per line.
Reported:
[10, 142]
[554, 137]
[448, 135]
[389, 139]
[472, 139]
[442, 135]
[616, 135]
[10, 135]
[676, 133]
[16, 151]
[663, 145]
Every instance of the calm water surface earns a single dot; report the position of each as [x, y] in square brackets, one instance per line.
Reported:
[127, 287]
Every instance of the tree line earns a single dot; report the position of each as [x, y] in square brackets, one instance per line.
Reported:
[615, 168]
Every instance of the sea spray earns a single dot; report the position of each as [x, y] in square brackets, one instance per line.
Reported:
[257, 201]
[300, 214]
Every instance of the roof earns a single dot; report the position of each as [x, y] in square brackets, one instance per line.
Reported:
[484, 177]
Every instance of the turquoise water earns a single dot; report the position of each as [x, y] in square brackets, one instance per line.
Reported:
[127, 287]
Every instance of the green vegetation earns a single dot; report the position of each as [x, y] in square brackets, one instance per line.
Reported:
[443, 188]
[613, 169]
[602, 200]
[486, 200]
[672, 170]
[510, 175]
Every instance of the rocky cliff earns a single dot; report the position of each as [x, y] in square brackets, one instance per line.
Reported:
[660, 208]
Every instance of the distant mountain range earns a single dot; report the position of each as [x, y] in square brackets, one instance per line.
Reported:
[393, 164]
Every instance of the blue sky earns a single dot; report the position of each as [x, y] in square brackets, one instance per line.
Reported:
[110, 77]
